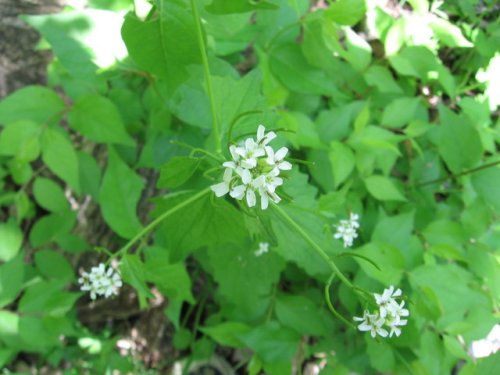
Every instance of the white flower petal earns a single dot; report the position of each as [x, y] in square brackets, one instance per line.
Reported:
[251, 199]
[220, 189]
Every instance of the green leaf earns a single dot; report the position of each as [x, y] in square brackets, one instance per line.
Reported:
[381, 355]
[302, 315]
[48, 227]
[448, 34]
[302, 131]
[451, 284]
[202, 223]
[273, 343]
[11, 239]
[238, 6]
[342, 161]
[164, 45]
[9, 326]
[226, 333]
[420, 62]
[293, 247]
[50, 195]
[382, 79]
[11, 279]
[97, 118]
[60, 156]
[21, 139]
[383, 189]
[459, 143]
[287, 63]
[486, 183]
[52, 264]
[387, 257]
[120, 192]
[133, 272]
[177, 171]
[171, 279]
[346, 12]
[244, 278]
[36, 336]
[400, 112]
[34, 103]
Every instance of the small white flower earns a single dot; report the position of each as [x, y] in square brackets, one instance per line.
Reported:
[346, 229]
[262, 138]
[372, 323]
[254, 170]
[389, 314]
[386, 300]
[277, 159]
[100, 281]
[249, 153]
[223, 188]
[263, 248]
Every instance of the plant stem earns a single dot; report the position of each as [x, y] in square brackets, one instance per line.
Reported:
[159, 219]
[208, 77]
[314, 245]
[441, 179]
[330, 305]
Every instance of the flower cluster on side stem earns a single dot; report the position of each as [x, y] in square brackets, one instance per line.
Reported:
[387, 321]
[254, 169]
[347, 229]
[100, 281]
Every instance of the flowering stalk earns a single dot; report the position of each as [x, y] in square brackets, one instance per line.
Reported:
[208, 77]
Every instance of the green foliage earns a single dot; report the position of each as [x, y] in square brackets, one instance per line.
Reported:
[390, 113]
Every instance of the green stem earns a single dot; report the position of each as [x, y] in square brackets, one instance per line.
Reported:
[314, 245]
[208, 77]
[159, 219]
[441, 179]
[330, 305]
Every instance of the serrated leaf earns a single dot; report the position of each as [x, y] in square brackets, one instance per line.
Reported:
[164, 45]
[120, 192]
[201, 223]
[33, 103]
[243, 278]
[134, 272]
[97, 118]
[171, 279]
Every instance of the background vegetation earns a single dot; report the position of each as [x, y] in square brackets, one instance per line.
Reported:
[389, 109]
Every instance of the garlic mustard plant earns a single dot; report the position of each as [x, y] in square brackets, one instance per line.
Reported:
[254, 170]
[100, 281]
[346, 229]
[388, 320]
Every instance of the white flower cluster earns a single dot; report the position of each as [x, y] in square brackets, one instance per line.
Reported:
[100, 282]
[263, 248]
[254, 168]
[346, 229]
[389, 315]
